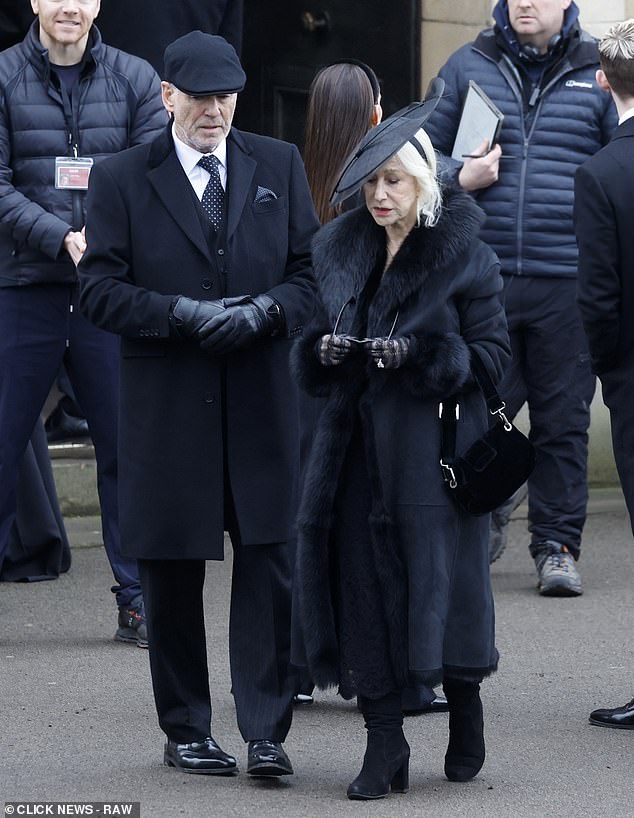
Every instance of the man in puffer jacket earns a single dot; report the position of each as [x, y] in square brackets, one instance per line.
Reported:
[66, 101]
[538, 66]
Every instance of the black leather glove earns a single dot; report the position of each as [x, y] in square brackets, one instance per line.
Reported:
[188, 318]
[243, 321]
[388, 353]
[333, 349]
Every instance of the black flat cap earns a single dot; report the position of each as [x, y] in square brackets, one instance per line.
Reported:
[201, 64]
[383, 141]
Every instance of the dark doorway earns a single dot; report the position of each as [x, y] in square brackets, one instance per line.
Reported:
[286, 41]
[15, 18]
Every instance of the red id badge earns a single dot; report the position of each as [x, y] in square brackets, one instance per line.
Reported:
[71, 173]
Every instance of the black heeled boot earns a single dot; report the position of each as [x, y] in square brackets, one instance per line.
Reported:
[386, 760]
[465, 753]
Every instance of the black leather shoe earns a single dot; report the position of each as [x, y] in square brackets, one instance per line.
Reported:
[204, 757]
[437, 705]
[61, 426]
[268, 758]
[620, 717]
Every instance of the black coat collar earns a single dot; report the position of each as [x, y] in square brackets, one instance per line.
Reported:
[624, 129]
[167, 176]
[346, 250]
[163, 145]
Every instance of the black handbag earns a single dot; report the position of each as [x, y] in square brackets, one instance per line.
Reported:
[496, 465]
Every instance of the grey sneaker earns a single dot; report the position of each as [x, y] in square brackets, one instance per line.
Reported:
[556, 571]
[500, 517]
[132, 625]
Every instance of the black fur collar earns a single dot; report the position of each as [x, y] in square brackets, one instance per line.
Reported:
[346, 250]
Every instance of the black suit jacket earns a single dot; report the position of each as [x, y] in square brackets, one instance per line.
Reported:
[146, 245]
[604, 224]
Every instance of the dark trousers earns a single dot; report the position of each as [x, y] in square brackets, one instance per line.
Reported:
[41, 328]
[259, 642]
[551, 370]
[67, 402]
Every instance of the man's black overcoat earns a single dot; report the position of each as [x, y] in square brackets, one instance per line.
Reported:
[147, 244]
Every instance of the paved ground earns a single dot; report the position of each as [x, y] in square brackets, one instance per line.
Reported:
[77, 719]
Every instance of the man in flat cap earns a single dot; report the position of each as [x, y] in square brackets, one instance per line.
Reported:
[199, 258]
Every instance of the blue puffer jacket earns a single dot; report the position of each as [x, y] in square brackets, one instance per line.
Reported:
[529, 209]
[117, 104]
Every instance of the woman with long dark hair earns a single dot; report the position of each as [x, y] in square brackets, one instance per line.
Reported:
[344, 102]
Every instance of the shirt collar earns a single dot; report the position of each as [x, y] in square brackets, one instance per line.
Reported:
[189, 157]
[626, 115]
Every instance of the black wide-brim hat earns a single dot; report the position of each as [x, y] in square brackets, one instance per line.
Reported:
[203, 65]
[383, 141]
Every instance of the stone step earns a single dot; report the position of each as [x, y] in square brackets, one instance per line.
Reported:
[75, 473]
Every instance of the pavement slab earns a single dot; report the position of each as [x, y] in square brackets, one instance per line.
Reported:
[77, 720]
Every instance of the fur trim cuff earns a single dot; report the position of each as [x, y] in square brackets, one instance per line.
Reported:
[437, 365]
[311, 375]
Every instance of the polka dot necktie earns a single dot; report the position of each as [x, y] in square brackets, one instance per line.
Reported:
[213, 195]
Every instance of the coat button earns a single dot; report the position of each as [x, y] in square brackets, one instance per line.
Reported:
[221, 252]
[206, 284]
[209, 398]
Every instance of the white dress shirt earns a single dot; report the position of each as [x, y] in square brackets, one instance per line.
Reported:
[198, 176]
[626, 115]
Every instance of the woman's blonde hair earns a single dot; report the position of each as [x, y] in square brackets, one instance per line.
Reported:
[420, 162]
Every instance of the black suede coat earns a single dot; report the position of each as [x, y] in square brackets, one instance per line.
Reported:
[443, 292]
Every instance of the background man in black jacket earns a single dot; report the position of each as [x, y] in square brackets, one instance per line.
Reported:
[15, 18]
[66, 102]
[604, 223]
[145, 27]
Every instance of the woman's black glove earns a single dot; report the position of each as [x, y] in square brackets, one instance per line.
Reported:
[333, 349]
[388, 353]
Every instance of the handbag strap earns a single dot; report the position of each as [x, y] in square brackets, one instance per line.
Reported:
[495, 404]
[449, 414]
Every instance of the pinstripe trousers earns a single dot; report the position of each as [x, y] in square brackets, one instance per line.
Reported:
[263, 682]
